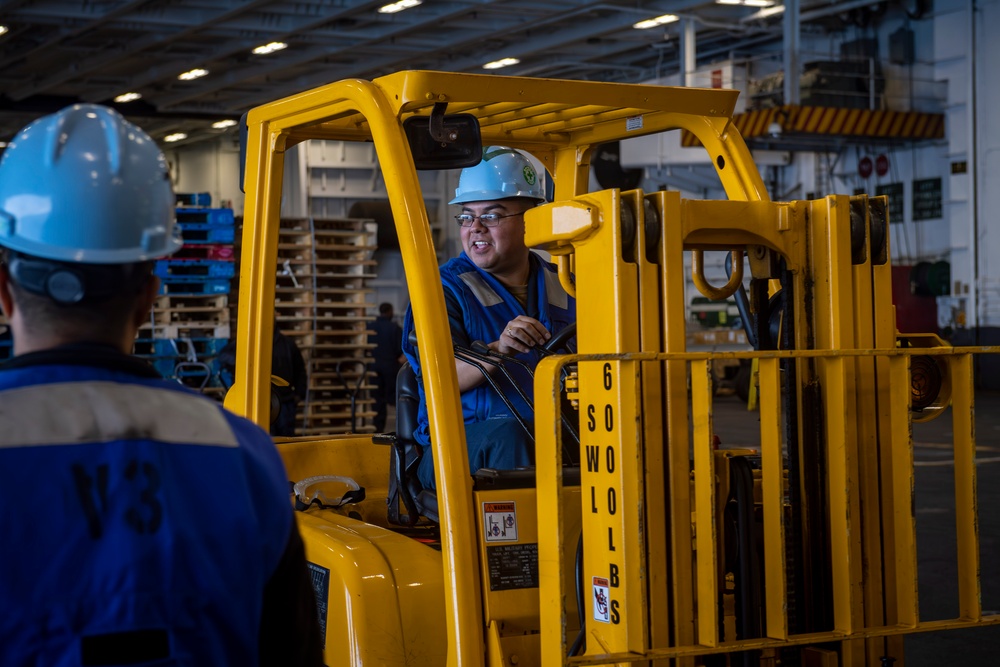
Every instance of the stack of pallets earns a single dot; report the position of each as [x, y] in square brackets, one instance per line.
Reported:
[321, 303]
[189, 323]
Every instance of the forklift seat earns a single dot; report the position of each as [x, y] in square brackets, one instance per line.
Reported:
[405, 459]
[405, 486]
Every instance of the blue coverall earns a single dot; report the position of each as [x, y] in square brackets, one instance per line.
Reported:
[479, 308]
[143, 524]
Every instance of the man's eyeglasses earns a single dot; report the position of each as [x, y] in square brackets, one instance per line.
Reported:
[487, 219]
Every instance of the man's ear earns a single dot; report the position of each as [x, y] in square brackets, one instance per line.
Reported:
[6, 293]
[148, 294]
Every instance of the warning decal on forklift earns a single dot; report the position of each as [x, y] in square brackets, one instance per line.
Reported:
[633, 123]
[321, 588]
[500, 522]
[602, 606]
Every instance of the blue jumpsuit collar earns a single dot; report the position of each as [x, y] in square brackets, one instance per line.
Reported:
[95, 355]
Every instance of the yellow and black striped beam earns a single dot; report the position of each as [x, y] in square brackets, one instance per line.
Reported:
[836, 122]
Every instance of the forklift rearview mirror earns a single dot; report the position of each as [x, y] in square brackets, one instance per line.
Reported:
[458, 143]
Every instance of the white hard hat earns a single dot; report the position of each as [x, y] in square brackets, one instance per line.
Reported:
[503, 173]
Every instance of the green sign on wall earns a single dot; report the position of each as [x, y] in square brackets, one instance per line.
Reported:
[927, 199]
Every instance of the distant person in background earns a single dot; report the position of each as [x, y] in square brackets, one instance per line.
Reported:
[388, 356]
[288, 365]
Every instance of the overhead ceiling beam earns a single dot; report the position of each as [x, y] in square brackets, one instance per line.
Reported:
[233, 48]
[434, 15]
[82, 68]
[62, 36]
[148, 41]
[575, 30]
[473, 40]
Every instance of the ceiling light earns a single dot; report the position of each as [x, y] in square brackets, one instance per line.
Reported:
[223, 124]
[503, 62]
[757, 3]
[270, 47]
[3, 29]
[190, 75]
[127, 97]
[653, 22]
[764, 13]
[176, 136]
[398, 6]
[3, 144]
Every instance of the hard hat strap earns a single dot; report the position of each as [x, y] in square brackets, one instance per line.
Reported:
[71, 283]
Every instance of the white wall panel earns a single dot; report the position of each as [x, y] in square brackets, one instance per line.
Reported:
[984, 163]
[209, 167]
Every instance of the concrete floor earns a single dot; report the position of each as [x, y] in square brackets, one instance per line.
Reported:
[934, 490]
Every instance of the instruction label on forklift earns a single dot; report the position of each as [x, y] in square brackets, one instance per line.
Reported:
[500, 522]
[512, 566]
[321, 588]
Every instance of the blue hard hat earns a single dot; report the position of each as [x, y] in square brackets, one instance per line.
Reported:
[503, 173]
[86, 185]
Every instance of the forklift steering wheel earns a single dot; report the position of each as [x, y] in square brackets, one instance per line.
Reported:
[558, 342]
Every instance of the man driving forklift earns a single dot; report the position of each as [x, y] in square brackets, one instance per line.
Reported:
[501, 294]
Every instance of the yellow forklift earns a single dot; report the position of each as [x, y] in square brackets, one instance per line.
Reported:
[643, 543]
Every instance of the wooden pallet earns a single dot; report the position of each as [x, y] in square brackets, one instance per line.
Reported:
[337, 414]
[193, 301]
[218, 393]
[322, 303]
[335, 427]
[333, 386]
[320, 326]
[182, 316]
[178, 330]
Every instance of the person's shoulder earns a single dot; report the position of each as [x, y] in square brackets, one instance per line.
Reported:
[263, 470]
[207, 410]
[456, 265]
[542, 262]
[455, 273]
[385, 325]
[257, 446]
[245, 430]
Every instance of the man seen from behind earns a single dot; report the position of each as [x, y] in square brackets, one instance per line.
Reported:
[143, 524]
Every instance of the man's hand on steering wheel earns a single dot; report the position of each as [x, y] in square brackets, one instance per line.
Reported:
[522, 334]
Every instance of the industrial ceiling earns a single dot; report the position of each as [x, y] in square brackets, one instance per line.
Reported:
[56, 52]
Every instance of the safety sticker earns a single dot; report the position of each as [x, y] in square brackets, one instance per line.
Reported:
[321, 590]
[633, 123]
[602, 599]
[500, 522]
